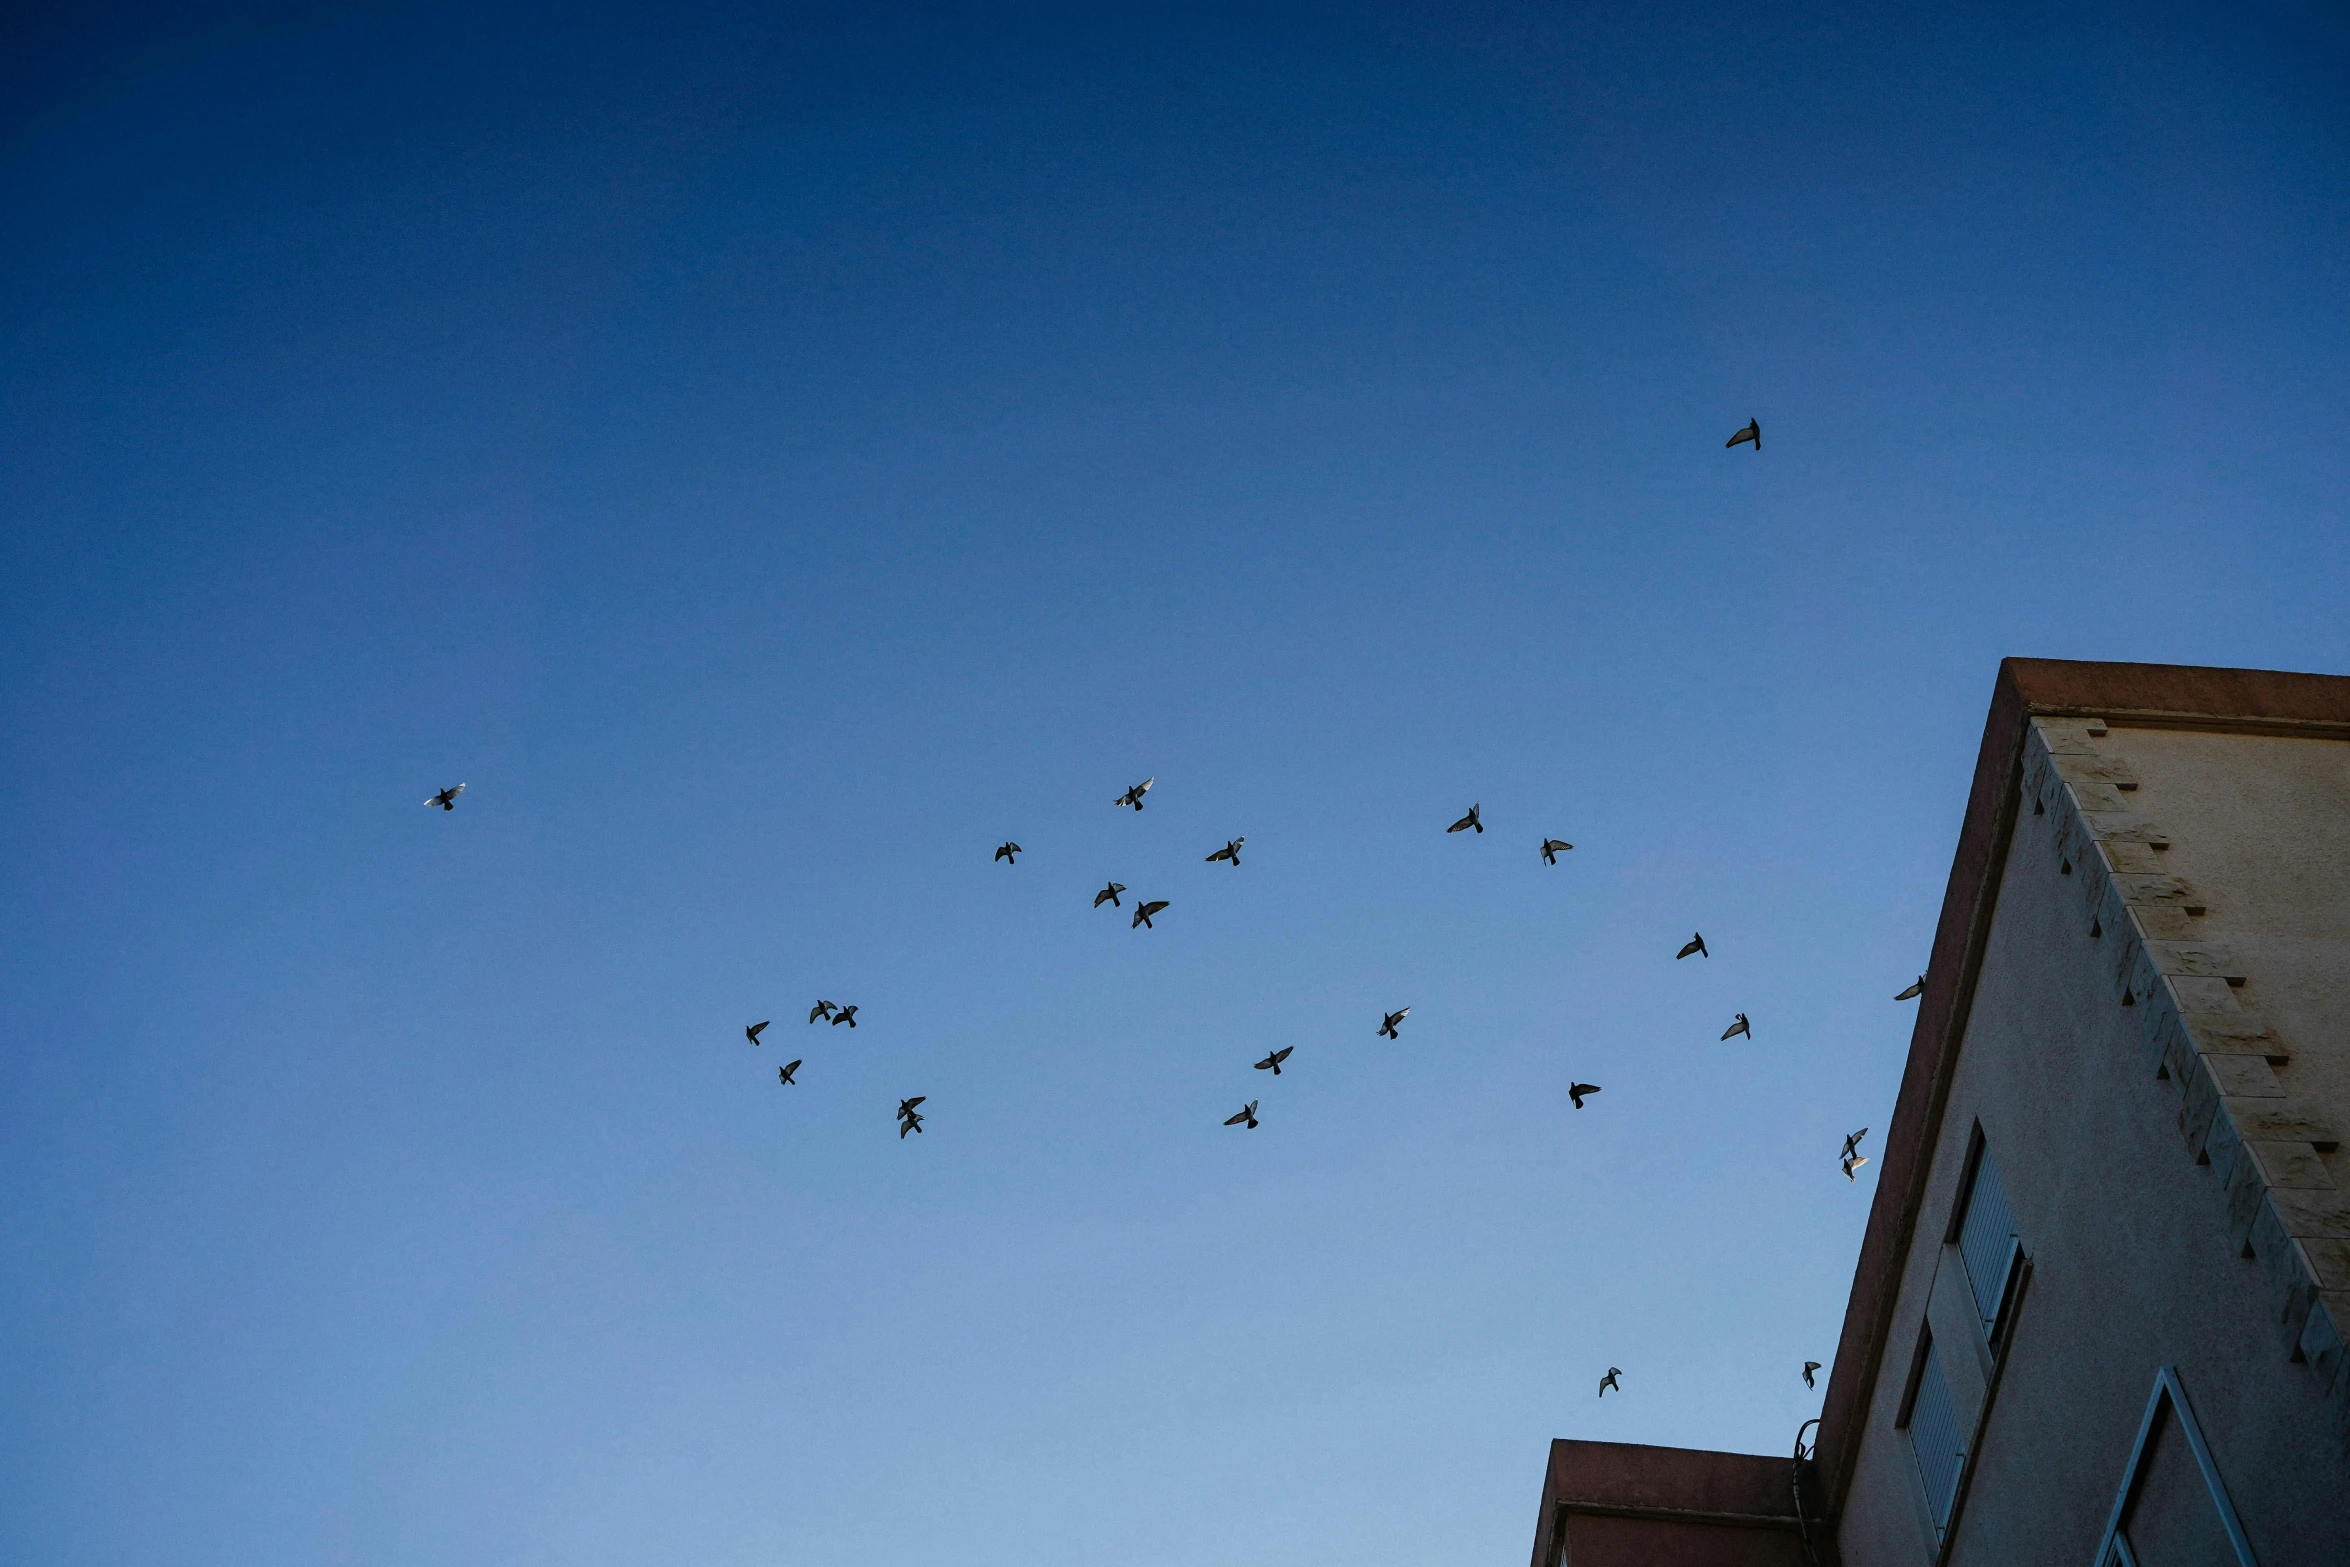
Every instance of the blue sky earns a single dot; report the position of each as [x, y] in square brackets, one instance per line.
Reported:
[773, 456]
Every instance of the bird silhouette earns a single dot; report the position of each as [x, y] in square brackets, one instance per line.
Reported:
[1134, 795]
[1109, 895]
[446, 799]
[912, 1123]
[820, 1009]
[1852, 1143]
[906, 1106]
[1852, 1162]
[1914, 991]
[1809, 1367]
[783, 1074]
[1552, 848]
[1737, 1028]
[1752, 432]
[846, 1015]
[1696, 945]
[1143, 913]
[1230, 851]
[1469, 821]
[1247, 1116]
[1393, 1018]
[1576, 1091]
[1609, 1381]
[752, 1033]
[1272, 1063]
[1008, 850]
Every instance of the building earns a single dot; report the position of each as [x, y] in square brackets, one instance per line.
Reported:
[2101, 1308]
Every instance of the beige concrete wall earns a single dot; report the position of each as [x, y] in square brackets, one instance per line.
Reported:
[2135, 1262]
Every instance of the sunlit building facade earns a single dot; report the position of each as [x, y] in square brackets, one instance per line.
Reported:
[2101, 1314]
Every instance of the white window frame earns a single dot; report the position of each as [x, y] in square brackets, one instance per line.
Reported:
[2113, 1550]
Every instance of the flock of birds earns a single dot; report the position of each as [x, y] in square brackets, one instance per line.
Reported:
[909, 1117]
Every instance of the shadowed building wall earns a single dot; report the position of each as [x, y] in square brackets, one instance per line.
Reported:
[1617, 1504]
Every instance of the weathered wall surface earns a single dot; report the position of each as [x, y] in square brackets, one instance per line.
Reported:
[2156, 865]
[1624, 1504]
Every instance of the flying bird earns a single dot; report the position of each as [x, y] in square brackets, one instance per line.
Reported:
[1143, 913]
[1008, 850]
[1272, 1063]
[906, 1106]
[1230, 851]
[820, 1009]
[1696, 945]
[1809, 1367]
[1109, 895]
[912, 1123]
[1247, 1116]
[1737, 1028]
[1852, 1162]
[1468, 821]
[752, 1033]
[1552, 848]
[1393, 1018]
[1752, 432]
[1914, 991]
[846, 1015]
[1576, 1091]
[1609, 1381]
[1852, 1142]
[1134, 795]
[783, 1073]
[446, 799]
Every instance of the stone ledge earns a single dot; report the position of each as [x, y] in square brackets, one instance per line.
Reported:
[2261, 1142]
[2325, 1344]
[2078, 768]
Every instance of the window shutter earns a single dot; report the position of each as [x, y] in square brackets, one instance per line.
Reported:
[1988, 1243]
[1933, 1436]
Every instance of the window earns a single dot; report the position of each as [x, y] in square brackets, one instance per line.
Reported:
[1933, 1436]
[2172, 1510]
[1987, 1242]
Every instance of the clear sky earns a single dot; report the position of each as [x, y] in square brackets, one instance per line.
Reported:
[774, 456]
